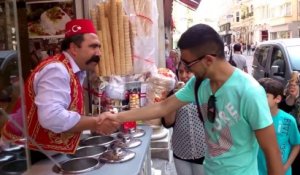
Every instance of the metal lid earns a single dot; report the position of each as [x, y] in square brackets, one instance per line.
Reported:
[137, 132]
[88, 151]
[129, 141]
[126, 143]
[97, 140]
[117, 155]
[77, 166]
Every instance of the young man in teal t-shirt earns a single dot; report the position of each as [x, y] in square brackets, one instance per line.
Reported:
[234, 108]
[287, 133]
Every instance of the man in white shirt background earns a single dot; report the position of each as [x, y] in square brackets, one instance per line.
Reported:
[238, 58]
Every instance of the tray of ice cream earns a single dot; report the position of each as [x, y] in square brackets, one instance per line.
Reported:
[94, 151]
[134, 132]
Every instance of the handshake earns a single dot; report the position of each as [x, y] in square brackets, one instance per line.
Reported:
[106, 123]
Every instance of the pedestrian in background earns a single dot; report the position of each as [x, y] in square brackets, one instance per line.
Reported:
[292, 105]
[248, 49]
[238, 58]
[226, 49]
[253, 47]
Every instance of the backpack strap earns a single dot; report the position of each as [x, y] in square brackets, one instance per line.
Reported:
[196, 88]
[231, 61]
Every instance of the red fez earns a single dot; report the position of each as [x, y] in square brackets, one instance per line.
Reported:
[79, 26]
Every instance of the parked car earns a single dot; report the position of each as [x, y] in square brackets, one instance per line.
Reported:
[8, 70]
[277, 59]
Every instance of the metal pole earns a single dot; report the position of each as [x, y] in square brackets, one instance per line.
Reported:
[89, 94]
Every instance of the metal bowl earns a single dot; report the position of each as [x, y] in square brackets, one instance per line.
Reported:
[97, 140]
[77, 166]
[5, 157]
[15, 167]
[14, 149]
[88, 151]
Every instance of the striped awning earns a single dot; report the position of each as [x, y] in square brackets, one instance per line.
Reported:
[191, 4]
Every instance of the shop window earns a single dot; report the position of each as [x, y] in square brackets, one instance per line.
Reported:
[273, 35]
[276, 12]
[264, 35]
[278, 60]
[286, 9]
[251, 10]
[237, 17]
[262, 54]
[266, 13]
[299, 10]
[284, 34]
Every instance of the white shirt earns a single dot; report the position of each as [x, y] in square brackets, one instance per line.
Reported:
[240, 61]
[52, 88]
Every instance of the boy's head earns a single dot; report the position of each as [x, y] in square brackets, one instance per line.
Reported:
[274, 90]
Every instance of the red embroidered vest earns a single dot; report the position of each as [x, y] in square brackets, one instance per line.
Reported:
[48, 140]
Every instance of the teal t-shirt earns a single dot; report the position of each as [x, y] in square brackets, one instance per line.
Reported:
[242, 107]
[287, 135]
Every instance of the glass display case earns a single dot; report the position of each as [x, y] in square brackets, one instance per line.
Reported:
[11, 155]
[26, 37]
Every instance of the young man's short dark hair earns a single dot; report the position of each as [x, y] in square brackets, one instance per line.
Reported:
[272, 86]
[201, 39]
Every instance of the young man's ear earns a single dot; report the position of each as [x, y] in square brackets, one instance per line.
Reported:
[209, 59]
[278, 98]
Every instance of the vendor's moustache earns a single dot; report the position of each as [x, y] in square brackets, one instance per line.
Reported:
[94, 58]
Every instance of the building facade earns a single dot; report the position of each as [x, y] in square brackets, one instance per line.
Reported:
[260, 20]
[284, 19]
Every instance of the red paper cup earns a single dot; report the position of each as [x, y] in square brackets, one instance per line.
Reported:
[129, 125]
